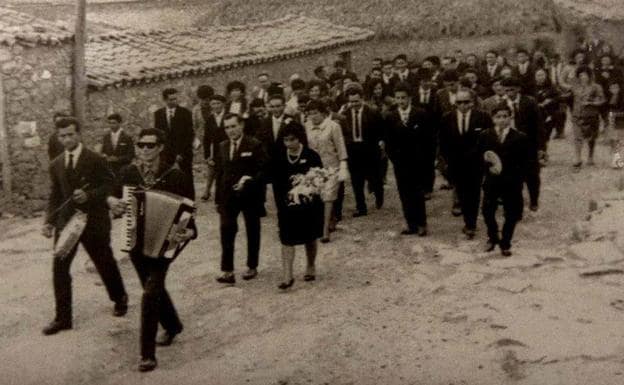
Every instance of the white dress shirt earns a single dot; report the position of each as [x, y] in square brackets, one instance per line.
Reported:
[277, 123]
[356, 116]
[75, 155]
[463, 119]
[115, 138]
[170, 114]
[502, 133]
[234, 146]
[404, 114]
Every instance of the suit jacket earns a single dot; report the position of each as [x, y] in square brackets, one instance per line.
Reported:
[213, 135]
[432, 106]
[461, 151]
[411, 80]
[513, 153]
[90, 168]
[370, 126]
[488, 104]
[443, 99]
[180, 136]
[409, 145]
[249, 160]
[527, 80]
[55, 147]
[124, 150]
[484, 75]
[528, 121]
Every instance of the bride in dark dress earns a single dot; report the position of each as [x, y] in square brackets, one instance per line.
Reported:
[300, 221]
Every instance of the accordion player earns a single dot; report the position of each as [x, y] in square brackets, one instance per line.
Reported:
[164, 200]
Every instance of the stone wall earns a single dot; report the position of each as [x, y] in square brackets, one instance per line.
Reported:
[36, 82]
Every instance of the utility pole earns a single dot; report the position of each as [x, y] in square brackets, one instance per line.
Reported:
[79, 74]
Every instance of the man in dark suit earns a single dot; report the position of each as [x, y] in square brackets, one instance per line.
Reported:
[407, 141]
[214, 133]
[81, 181]
[426, 98]
[340, 67]
[490, 71]
[526, 119]
[524, 71]
[117, 146]
[150, 172]
[240, 164]
[402, 74]
[459, 145]
[445, 96]
[55, 147]
[511, 147]
[177, 124]
[361, 131]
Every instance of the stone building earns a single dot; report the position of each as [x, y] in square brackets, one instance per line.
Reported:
[127, 71]
[35, 80]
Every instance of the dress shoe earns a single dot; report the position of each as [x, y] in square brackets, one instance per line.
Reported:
[325, 240]
[409, 232]
[457, 211]
[286, 285]
[490, 246]
[250, 274]
[147, 364]
[309, 277]
[227, 279]
[470, 233]
[506, 252]
[422, 231]
[359, 214]
[166, 338]
[55, 327]
[534, 208]
[121, 307]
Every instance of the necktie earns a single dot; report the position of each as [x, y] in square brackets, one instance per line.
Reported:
[357, 130]
[233, 149]
[70, 164]
[169, 117]
[461, 123]
[427, 97]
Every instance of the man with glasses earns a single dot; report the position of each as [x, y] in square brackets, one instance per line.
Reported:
[150, 171]
[459, 146]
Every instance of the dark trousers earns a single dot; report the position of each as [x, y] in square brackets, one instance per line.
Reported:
[411, 195]
[364, 167]
[229, 227]
[97, 244]
[156, 305]
[383, 169]
[338, 203]
[468, 188]
[511, 197]
[533, 181]
[430, 171]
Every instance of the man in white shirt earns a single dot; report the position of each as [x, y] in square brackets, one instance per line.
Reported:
[117, 146]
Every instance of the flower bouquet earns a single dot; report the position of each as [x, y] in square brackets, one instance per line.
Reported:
[307, 186]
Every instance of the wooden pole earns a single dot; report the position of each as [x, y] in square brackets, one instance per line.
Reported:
[4, 146]
[79, 76]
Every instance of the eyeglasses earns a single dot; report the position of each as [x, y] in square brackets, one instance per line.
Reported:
[463, 101]
[147, 145]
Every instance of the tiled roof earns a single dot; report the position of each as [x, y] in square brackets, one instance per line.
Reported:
[24, 29]
[135, 57]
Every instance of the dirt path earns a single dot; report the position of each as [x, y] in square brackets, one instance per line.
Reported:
[385, 310]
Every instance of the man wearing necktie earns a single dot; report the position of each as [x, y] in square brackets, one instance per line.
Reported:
[81, 180]
[408, 141]
[403, 74]
[177, 124]
[426, 99]
[362, 136]
[240, 166]
[511, 147]
[526, 119]
[459, 146]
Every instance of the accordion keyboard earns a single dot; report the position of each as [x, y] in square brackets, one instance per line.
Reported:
[129, 219]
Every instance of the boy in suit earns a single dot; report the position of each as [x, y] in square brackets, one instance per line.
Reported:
[240, 163]
[117, 146]
[408, 142]
[511, 147]
[213, 135]
[177, 124]
[81, 180]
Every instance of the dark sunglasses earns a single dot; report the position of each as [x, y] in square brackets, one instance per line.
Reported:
[147, 145]
[463, 101]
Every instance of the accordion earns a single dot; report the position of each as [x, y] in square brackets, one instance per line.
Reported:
[151, 219]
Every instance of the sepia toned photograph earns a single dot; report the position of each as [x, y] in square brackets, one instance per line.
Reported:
[235, 192]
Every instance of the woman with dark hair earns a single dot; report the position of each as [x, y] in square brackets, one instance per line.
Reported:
[317, 89]
[237, 103]
[375, 94]
[547, 99]
[300, 218]
[588, 96]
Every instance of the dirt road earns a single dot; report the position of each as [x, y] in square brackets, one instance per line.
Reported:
[385, 309]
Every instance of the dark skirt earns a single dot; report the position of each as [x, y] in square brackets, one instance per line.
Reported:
[301, 224]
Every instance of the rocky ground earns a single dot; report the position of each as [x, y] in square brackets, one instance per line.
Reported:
[384, 310]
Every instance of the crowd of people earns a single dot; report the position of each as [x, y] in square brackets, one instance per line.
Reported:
[481, 125]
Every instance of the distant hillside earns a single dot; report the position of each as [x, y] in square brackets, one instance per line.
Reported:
[603, 9]
[418, 19]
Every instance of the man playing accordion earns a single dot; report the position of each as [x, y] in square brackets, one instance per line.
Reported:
[149, 172]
